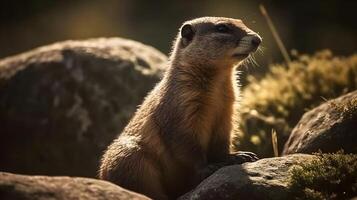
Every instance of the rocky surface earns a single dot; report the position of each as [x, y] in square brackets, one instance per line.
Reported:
[62, 104]
[264, 179]
[329, 127]
[22, 187]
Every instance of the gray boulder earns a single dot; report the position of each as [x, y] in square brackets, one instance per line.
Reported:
[19, 187]
[62, 104]
[264, 179]
[329, 127]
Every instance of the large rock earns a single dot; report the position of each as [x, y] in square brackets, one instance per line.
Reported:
[264, 179]
[329, 127]
[62, 104]
[21, 187]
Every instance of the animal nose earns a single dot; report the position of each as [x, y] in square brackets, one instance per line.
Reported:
[256, 40]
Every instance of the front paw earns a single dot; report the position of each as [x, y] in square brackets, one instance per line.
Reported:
[241, 157]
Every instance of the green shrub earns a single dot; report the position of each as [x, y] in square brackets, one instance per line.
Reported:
[279, 99]
[330, 176]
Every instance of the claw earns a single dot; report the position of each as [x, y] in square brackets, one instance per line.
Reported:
[242, 156]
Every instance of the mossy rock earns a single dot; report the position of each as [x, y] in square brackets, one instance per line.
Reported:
[295, 176]
[330, 176]
[62, 104]
[267, 178]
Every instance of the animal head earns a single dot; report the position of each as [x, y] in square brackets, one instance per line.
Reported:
[215, 41]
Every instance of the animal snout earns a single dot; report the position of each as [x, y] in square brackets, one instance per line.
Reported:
[256, 40]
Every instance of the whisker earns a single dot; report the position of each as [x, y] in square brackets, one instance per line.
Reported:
[245, 63]
[254, 62]
[251, 60]
[261, 50]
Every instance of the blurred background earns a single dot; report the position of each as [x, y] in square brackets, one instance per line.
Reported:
[306, 26]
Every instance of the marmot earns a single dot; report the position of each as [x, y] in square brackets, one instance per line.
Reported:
[185, 122]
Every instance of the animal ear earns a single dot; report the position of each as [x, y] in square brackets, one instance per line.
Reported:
[187, 34]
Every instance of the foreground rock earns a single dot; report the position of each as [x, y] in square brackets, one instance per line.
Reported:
[264, 179]
[62, 104]
[329, 127]
[14, 186]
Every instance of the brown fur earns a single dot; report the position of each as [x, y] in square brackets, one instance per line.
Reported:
[186, 121]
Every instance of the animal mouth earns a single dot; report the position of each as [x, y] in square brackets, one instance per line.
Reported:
[243, 51]
[241, 55]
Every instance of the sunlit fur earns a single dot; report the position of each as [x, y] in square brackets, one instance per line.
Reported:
[187, 119]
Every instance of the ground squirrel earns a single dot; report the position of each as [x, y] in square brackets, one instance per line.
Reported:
[186, 121]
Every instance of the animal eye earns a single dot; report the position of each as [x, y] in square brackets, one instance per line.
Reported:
[223, 28]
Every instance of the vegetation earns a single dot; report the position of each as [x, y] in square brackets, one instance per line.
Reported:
[279, 99]
[331, 176]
